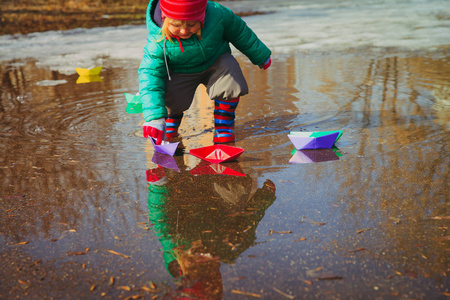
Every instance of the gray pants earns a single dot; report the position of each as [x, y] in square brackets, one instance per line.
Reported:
[223, 80]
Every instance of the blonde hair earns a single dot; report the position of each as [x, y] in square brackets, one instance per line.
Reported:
[165, 28]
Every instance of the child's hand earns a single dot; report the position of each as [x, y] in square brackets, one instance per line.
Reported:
[266, 64]
[155, 129]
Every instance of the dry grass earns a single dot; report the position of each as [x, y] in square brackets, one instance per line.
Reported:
[27, 16]
[21, 17]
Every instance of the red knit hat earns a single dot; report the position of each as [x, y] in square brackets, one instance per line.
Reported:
[184, 10]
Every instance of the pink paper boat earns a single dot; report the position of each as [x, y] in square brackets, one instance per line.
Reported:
[165, 147]
[215, 169]
[217, 153]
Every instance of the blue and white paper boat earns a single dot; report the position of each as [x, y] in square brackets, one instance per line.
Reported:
[315, 139]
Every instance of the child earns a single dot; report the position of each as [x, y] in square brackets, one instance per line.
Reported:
[188, 45]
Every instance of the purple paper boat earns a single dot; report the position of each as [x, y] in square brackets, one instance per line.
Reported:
[165, 147]
[314, 140]
[165, 161]
[313, 156]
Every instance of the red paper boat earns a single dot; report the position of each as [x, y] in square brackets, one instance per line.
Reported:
[217, 153]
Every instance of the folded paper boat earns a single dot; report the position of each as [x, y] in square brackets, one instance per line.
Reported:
[87, 78]
[215, 169]
[313, 156]
[134, 103]
[217, 153]
[134, 108]
[165, 147]
[131, 98]
[88, 72]
[315, 139]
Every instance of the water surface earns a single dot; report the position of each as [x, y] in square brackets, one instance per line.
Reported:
[78, 216]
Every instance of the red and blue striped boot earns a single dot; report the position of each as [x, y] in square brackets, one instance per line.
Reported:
[172, 124]
[224, 120]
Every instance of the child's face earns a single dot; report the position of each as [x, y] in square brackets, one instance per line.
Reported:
[176, 28]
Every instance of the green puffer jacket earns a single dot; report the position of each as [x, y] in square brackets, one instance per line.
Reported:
[221, 27]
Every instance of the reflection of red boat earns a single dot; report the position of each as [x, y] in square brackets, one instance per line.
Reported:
[205, 168]
[217, 153]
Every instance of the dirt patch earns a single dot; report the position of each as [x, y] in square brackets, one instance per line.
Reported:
[27, 18]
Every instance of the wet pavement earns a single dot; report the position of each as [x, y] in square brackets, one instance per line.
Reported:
[87, 213]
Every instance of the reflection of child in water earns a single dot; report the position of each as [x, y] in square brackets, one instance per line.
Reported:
[197, 272]
[202, 221]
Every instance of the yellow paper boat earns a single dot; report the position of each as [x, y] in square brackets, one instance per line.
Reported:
[88, 72]
[86, 79]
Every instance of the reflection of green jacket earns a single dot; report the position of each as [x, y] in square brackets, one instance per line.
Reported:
[157, 197]
[187, 215]
[222, 27]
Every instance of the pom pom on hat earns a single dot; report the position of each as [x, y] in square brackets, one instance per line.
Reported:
[184, 10]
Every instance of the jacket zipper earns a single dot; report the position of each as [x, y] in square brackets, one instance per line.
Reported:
[165, 56]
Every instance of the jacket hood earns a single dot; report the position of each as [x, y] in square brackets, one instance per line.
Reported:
[153, 18]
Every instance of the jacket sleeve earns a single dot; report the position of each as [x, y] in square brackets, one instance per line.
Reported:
[152, 82]
[243, 38]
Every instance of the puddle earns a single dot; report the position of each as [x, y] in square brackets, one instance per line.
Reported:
[78, 215]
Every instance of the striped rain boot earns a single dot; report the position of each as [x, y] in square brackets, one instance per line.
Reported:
[172, 124]
[224, 120]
